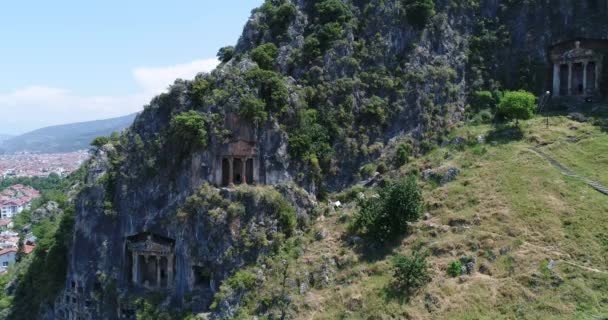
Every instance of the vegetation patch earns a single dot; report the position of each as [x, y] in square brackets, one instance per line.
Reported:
[387, 216]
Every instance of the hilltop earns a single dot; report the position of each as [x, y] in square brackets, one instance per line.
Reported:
[64, 138]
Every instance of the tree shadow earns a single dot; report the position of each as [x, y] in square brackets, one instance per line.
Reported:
[391, 292]
[503, 134]
[369, 250]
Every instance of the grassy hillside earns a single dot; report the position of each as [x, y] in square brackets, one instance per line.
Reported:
[510, 209]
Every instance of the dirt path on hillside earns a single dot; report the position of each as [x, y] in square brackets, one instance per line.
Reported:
[568, 172]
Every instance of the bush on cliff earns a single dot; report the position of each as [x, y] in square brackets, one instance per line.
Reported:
[189, 129]
[482, 100]
[418, 12]
[253, 109]
[225, 54]
[265, 55]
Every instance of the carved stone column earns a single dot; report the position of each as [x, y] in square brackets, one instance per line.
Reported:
[570, 78]
[556, 79]
[598, 74]
[157, 271]
[585, 77]
[243, 170]
[135, 268]
[231, 171]
[146, 283]
[170, 271]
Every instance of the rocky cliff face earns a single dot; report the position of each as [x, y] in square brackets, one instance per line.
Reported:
[333, 84]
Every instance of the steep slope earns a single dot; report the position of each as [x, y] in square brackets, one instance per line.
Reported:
[311, 96]
[65, 138]
[537, 237]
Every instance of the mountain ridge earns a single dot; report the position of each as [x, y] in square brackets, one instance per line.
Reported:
[65, 137]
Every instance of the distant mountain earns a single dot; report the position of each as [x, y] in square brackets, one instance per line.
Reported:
[4, 137]
[64, 138]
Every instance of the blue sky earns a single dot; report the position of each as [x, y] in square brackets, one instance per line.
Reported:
[65, 61]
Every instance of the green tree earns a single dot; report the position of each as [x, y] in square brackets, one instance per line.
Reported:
[265, 55]
[225, 54]
[387, 217]
[333, 11]
[20, 249]
[253, 109]
[189, 129]
[100, 142]
[482, 100]
[200, 88]
[410, 272]
[517, 105]
[455, 269]
[403, 155]
[418, 12]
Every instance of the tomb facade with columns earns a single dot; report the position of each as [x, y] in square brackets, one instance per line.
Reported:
[578, 67]
[151, 261]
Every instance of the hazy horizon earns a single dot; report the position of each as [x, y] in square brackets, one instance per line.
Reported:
[77, 62]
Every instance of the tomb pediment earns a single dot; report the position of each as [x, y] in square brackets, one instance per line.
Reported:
[149, 244]
[240, 148]
[579, 53]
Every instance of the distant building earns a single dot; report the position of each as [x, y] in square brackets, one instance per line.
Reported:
[15, 199]
[6, 224]
[7, 258]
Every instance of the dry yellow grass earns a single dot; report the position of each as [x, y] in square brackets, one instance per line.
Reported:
[520, 212]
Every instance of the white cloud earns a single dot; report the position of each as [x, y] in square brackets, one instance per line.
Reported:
[158, 79]
[39, 106]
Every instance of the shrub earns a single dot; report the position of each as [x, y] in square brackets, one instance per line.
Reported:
[386, 217]
[329, 33]
[382, 168]
[278, 15]
[333, 11]
[455, 269]
[312, 48]
[403, 154]
[242, 280]
[410, 272]
[418, 12]
[100, 142]
[272, 88]
[518, 105]
[265, 55]
[309, 138]
[225, 54]
[200, 88]
[374, 109]
[481, 100]
[253, 109]
[189, 129]
[367, 170]
[484, 116]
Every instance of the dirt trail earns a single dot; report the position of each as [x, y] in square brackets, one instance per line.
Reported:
[566, 171]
